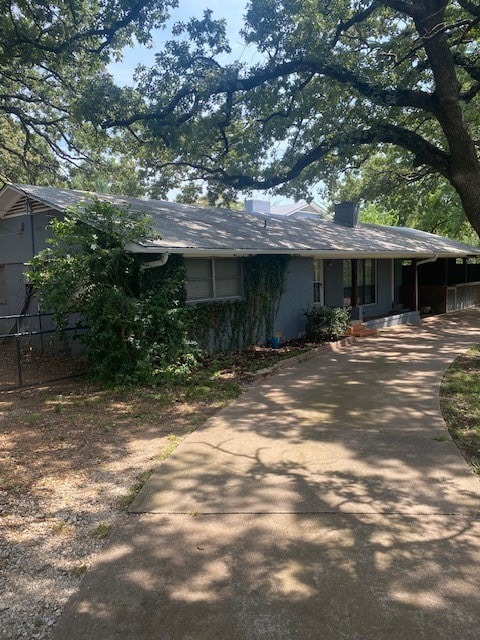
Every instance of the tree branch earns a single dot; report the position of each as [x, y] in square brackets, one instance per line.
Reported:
[226, 85]
[108, 33]
[361, 16]
[424, 153]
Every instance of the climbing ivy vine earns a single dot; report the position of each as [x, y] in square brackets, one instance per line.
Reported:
[232, 324]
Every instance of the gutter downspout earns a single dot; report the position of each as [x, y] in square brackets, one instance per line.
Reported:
[417, 264]
[155, 263]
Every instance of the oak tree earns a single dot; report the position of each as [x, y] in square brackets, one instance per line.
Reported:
[331, 82]
[52, 54]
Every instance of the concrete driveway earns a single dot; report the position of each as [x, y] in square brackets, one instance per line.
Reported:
[325, 503]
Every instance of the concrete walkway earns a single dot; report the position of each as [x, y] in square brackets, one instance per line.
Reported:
[323, 504]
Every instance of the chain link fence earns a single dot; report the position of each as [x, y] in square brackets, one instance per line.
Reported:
[32, 353]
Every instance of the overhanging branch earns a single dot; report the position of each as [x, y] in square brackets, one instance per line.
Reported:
[423, 151]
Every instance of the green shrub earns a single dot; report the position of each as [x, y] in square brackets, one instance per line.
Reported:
[326, 323]
[138, 326]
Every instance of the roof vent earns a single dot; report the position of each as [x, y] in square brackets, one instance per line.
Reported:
[346, 214]
[257, 206]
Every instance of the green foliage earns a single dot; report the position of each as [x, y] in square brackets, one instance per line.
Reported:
[136, 318]
[331, 83]
[459, 395]
[394, 195]
[53, 54]
[119, 175]
[233, 324]
[326, 323]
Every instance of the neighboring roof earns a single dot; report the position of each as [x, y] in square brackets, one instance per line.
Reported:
[299, 208]
[197, 231]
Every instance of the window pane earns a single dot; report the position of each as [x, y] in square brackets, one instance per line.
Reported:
[366, 281]
[228, 288]
[198, 268]
[199, 284]
[208, 279]
[199, 289]
[347, 283]
[227, 268]
[347, 273]
[369, 272]
[367, 295]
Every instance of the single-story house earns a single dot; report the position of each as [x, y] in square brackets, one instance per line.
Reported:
[385, 274]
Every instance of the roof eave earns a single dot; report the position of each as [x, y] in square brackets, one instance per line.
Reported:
[329, 254]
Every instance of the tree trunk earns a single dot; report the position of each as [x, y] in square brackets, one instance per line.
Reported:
[467, 185]
[464, 166]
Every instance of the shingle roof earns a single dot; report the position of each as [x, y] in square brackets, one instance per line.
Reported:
[194, 230]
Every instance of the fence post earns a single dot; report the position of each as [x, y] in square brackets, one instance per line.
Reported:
[19, 353]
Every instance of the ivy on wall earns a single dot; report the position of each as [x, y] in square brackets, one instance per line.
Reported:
[232, 324]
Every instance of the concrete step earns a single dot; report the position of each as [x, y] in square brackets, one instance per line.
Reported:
[359, 330]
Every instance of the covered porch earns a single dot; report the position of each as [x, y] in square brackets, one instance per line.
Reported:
[441, 286]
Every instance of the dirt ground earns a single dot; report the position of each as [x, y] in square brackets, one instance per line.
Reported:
[71, 457]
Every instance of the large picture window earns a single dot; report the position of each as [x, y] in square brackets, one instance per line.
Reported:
[213, 279]
[359, 282]
[3, 285]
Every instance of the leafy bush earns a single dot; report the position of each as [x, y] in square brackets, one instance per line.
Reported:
[326, 323]
[137, 321]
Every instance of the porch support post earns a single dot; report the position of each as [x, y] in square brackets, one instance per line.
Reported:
[415, 285]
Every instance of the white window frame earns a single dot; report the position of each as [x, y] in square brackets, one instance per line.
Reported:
[214, 279]
[318, 279]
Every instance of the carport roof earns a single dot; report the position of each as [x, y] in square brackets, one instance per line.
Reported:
[201, 231]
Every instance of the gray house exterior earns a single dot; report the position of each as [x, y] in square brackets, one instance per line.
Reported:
[376, 270]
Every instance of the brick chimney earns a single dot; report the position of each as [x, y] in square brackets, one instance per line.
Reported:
[346, 214]
[257, 206]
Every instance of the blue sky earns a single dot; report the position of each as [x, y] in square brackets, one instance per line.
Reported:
[231, 10]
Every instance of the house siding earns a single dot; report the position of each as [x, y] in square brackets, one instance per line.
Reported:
[18, 244]
[15, 289]
[298, 296]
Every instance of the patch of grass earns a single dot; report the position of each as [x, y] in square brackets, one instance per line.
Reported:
[172, 443]
[32, 419]
[127, 500]
[196, 421]
[460, 401]
[102, 530]
[79, 570]
[107, 427]
[61, 528]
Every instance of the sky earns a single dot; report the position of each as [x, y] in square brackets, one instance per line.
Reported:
[231, 10]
